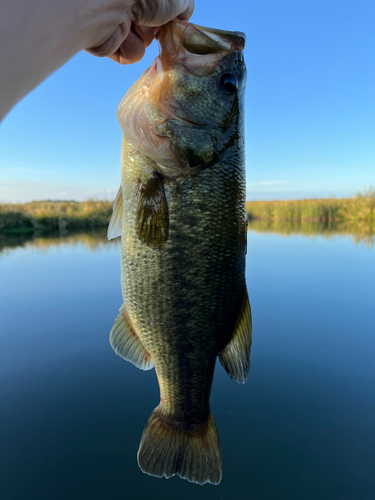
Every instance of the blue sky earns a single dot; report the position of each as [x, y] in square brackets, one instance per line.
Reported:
[310, 108]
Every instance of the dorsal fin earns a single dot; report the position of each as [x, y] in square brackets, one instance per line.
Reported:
[115, 224]
[235, 357]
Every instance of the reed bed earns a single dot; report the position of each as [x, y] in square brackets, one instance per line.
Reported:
[360, 208]
[54, 216]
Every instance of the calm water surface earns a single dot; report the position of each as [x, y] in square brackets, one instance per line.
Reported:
[72, 412]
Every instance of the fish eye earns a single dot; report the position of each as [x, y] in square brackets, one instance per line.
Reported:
[229, 83]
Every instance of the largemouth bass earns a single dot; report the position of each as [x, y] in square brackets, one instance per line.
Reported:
[181, 215]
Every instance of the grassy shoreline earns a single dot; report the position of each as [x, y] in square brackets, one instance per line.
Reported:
[355, 210]
[62, 216]
[54, 216]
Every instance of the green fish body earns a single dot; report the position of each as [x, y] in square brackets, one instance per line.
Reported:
[181, 215]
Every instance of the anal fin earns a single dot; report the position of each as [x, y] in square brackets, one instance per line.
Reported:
[125, 342]
[235, 357]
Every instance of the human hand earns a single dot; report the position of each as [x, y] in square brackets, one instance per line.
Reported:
[137, 25]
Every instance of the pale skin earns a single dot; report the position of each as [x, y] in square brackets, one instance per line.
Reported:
[37, 37]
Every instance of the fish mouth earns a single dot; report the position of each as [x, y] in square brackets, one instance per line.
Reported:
[215, 39]
[181, 42]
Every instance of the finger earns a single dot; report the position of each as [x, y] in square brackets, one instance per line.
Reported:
[188, 12]
[118, 57]
[112, 43]
[131, 50]
[145, 33]
[126, 54]
[157, 13]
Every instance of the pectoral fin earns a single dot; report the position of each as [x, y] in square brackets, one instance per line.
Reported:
[235, 357]
[125, 342]
[115, 224]
[152, 213]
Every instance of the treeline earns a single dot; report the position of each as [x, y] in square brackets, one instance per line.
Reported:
[360, 208]
[54, 216]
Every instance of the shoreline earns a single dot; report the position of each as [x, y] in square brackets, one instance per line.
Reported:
[357, 212]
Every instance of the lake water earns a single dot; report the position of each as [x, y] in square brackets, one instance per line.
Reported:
[72, 412]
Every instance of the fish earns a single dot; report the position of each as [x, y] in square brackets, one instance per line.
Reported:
[180, 212]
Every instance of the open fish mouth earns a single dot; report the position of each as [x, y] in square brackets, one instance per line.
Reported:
[182, 42]
[158, 112]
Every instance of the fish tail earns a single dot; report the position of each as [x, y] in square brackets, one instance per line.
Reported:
[168, 448]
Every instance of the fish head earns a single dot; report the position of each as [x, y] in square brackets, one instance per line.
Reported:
[187, 108]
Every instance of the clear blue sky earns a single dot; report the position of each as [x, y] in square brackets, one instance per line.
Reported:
[310, 108]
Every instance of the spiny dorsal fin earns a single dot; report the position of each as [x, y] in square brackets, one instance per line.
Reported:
[169, 448]
[152, 213]
[235, 357]
[125, 342]
[115, 224]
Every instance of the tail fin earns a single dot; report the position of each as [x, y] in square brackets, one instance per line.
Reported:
[167, 448]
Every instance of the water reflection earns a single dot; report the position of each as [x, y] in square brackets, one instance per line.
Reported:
[361, 233]
[94, 241]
